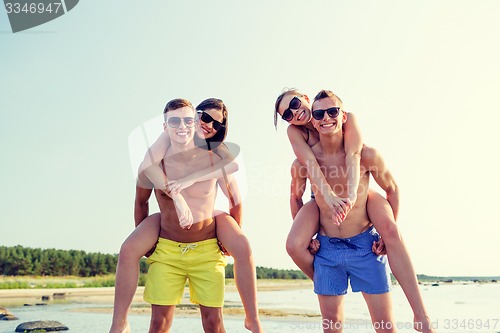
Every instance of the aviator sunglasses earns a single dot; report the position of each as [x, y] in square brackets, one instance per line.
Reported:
[206, 118]
[295, 104]
[175, 122]
[332, 113]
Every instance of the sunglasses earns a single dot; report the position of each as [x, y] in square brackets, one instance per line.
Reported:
[332, 113]
[206, 118]
[295, 104]
[175, 122]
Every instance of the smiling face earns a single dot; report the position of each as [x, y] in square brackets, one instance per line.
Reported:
[207, 129]
[180, 125]
[328, 124]
[295, 108]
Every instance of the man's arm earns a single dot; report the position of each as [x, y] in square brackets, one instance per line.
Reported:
[297, 187]
[383, 177]
[230, 189]
[143, 191]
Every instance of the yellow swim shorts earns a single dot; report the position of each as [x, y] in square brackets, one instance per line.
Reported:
[172, 263]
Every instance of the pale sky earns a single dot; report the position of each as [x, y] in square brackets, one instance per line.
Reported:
[422, 78]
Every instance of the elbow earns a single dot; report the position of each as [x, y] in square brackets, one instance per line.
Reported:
[232, 167]
[296, 200]
[393, 192]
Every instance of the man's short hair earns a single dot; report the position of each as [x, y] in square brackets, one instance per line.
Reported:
[328, 94]
[177, 104]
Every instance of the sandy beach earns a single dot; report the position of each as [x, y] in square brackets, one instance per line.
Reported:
[103, 299]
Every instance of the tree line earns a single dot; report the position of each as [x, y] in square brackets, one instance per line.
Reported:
[19, 260]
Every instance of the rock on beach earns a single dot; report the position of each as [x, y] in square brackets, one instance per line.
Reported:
[46, 325]
[6, 315]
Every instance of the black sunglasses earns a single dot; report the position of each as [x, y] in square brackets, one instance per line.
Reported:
[295, 103]
[332, 113]
[175, 122]
[206, 118]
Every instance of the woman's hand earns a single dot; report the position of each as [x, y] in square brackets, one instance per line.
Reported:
[183, 211]
[175, 186]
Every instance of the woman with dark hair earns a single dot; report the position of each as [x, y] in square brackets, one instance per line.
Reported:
[212, 130]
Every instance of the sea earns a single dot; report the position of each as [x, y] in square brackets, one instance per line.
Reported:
[453, 307]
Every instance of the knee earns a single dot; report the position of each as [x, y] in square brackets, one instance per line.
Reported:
[160, 324]
[128, 252]
[295, 246]
[243, 252]
[290, 247]
[212, 322]
[389, 231]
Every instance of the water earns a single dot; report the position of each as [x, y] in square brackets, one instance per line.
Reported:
[453, 308]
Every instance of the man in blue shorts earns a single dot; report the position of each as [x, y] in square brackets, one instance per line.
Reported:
[345, 251]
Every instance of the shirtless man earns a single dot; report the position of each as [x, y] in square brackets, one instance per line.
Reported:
[345, 250]
[183, 252]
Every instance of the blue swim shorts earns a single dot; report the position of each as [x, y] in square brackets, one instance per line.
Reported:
[341, 259]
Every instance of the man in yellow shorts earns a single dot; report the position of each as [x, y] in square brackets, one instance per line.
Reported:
[187, 251]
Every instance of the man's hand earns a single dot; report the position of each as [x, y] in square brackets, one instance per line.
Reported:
[378, 247]
[150, 252]
[313, 246]
[183, 211]
[223, 249]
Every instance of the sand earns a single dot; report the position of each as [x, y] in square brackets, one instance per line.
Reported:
[105, 296]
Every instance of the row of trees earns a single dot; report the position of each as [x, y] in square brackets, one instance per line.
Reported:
[270, 273]
[19, 260]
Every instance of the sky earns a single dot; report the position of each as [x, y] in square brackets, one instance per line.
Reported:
[422, 78]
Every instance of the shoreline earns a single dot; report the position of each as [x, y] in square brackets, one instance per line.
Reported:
[103, 297]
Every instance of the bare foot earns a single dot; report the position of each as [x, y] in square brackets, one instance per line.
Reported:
[123, 329]
[423, 324]
[254, 326]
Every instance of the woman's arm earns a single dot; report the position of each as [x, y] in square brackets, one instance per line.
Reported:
[156, 152]
[353, 143]
[150, 166]
[224, 164]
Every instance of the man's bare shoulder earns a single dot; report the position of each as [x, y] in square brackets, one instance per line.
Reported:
[369, 156]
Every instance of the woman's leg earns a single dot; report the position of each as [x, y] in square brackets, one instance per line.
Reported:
[233, 239]
[140, 241]
[381, 215]
[304, 227]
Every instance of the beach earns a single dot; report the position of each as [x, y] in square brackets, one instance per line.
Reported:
[285, 306]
